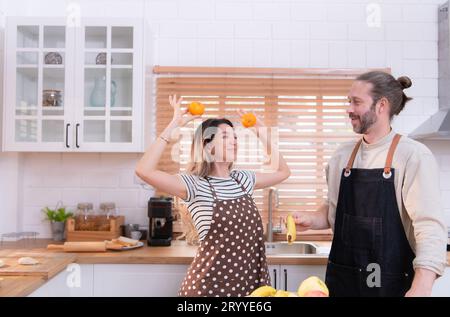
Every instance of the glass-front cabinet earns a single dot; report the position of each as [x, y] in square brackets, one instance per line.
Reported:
[73, 88]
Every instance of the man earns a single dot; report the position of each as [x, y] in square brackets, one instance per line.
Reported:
[383, 201]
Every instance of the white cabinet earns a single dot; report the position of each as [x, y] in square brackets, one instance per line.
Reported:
[289, 277]
[75, 281]
[73, 86]
[138, 279]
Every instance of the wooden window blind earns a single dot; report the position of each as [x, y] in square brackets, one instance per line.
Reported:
[308, 106]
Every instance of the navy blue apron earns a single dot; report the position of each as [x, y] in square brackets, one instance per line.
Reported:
[370, 255]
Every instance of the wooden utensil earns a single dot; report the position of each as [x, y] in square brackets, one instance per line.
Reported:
[100, 246]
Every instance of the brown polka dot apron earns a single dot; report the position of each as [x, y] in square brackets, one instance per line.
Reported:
[230, 260]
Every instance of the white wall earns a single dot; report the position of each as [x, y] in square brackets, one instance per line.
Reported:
[259, 33]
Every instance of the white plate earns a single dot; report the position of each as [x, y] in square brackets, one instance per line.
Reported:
[138, 245]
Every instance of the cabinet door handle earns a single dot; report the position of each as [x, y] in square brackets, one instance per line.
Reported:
[275, 278]
[76, 135]
[285, 279]
[67, 135]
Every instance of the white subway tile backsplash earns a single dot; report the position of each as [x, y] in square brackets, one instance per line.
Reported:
[108, 178]
[243, 53]
[120, 160]
[430, 69]
[135, 215]
[429, 105]
[326, 31]
[187, 52]
[224, 52]
[262, 53]
[319, 54]
[391, 12]
[281, 56]
[309, 12]
[161, 10]
[144, 196]
[178, 30]
[235, 10]
[206, 51]
[41, 197]
[290, 30]
[300, 52]
[73, 196]
[356, 54]
[420, 13]
[124, 198]
[271, 11]
[167, 52]
[420, 50]
[196, 10]
[413, 68]
[252, 30]
[127, 179]
[61, 177]
[411, 32]
[376, 55]
[338, 52]
[424, 87]
[362, 32]
[216, 30]
[351, 12]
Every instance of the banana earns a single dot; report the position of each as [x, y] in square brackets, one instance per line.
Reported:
[291, 234]
[263, 291]
[281, 293]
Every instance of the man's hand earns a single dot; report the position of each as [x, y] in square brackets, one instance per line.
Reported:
[303, 221]
[422, 284]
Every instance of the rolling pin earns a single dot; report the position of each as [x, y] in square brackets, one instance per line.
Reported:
[79, 247]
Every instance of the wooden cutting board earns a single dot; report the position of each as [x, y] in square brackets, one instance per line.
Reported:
[47, 267]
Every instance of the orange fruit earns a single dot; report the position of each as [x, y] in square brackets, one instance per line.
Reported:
[248, 120]
[196, 108]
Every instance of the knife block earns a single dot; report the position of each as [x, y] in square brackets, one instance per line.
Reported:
[114, 231]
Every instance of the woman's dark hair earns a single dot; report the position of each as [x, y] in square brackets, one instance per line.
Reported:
[385, 85]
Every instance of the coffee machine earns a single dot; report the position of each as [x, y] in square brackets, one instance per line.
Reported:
[160, 222]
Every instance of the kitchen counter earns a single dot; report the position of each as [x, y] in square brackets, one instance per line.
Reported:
[178, 253]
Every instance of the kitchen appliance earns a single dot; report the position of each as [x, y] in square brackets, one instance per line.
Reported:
[161, 221]
[437, 127]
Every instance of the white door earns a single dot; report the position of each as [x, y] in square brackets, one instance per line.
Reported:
[39, 78]
[109, 75]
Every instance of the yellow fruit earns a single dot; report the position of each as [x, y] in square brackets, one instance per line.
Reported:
[248, 120]
[292, 294]
[315, 294]
[281, 293]
[196, 108]
[291, 233]
[263, 291]
[312, 285]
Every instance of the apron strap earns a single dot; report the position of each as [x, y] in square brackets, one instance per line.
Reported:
[352, 157]
[390, 156]
[213, 191]
[239, 183]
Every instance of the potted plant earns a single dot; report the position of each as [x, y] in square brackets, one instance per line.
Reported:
[57, 218]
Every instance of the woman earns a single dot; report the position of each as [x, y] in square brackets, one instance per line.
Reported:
[230, 259]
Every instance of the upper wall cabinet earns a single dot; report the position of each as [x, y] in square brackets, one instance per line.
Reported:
[73, 87]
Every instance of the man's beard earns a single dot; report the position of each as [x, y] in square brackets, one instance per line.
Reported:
[367, 120]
